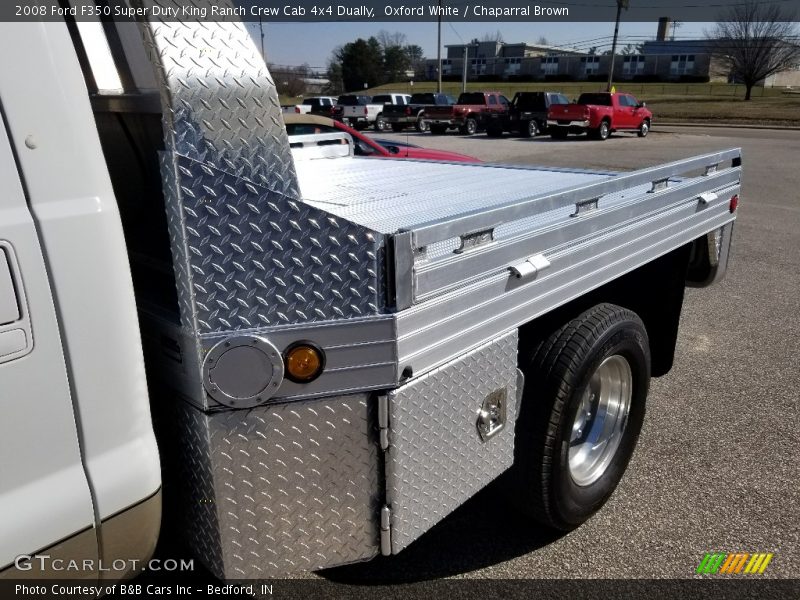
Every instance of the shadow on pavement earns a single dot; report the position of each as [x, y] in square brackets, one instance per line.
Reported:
[482, 532]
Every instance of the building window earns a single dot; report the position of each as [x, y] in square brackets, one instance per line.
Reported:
[447, 66]
[549, 65]
[478, 66]
[591, 64]
[633, 65]
[681, 64]
[513, 65]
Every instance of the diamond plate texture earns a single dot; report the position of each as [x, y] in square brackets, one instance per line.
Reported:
[280, 489]
[247, 252]
[220, 103]
[253, 258]
[436, 459]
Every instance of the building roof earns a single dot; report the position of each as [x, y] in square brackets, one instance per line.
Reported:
[678, 47]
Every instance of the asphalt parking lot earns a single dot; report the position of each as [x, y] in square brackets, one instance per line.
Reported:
[718, 461]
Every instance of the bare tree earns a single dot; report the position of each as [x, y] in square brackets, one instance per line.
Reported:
[497, 36]
[290, 81]
[391, 40]
[757, 39]
[542, 41]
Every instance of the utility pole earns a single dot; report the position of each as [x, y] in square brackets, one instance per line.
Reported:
[261, 29]
[439, 51]
[620, 5]
[464, 76]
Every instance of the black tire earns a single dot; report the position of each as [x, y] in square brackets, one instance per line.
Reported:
[558, 372]
[380, 123]
[438, 129]
[469, 127]
[558, 133]
[398, 127]
[644, 128]
[494, 130]
[602, 132]
[529, 128]
[421, 125]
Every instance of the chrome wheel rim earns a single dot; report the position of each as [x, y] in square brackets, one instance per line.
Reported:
[600, 420]
[533, 129]
[645, 128]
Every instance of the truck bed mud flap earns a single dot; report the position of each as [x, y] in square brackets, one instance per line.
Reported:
[445, 436]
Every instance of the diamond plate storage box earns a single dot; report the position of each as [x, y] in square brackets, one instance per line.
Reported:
[439, 453]
[279, 489]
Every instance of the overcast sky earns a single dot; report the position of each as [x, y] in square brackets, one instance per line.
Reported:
[297, 43]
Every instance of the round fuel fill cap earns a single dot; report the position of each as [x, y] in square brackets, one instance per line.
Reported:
[243, 371]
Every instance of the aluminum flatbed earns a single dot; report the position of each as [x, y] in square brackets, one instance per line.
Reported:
[339, 351]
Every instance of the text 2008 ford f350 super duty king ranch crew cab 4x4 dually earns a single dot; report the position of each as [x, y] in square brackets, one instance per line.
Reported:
[599, 114]
[311, 331]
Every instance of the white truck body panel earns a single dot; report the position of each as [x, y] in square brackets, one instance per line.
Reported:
[44, 494]
[73, 203]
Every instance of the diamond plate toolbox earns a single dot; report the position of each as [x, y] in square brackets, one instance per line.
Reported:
[280, 489]
[436, 458]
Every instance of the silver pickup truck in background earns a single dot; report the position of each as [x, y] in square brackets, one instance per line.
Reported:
[320, 359]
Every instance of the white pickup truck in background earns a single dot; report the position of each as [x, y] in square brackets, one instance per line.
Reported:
[337, 353]
[317, 105]
[366, 111]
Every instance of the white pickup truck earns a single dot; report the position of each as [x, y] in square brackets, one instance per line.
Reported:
[337, 353]
[365, 111]
[317, 105]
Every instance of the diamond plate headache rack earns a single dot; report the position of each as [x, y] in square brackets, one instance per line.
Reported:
[477, 252]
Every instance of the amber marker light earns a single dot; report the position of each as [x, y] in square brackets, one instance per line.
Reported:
[304, 362]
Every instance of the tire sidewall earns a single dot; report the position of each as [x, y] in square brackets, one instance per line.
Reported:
[604, 130]
[470, 126]
[644, 129]
[572, 503]
[531, 128]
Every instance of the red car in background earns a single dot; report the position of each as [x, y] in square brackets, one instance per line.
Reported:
[366, 146]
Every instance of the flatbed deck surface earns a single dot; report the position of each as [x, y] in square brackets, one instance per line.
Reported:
[387, 195]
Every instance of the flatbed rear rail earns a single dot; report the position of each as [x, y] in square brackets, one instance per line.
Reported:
[478, 252]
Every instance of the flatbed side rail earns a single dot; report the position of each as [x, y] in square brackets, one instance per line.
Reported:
[415, 277]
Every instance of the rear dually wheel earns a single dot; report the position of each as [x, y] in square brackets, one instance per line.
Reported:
[582, 409]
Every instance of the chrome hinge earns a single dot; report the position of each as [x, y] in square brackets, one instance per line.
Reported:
[383, 420]
[386, 531]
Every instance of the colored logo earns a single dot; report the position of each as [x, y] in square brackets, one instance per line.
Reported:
[734, 563]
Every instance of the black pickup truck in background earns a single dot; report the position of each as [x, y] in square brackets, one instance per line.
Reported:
[400, 117]
[527, 114]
